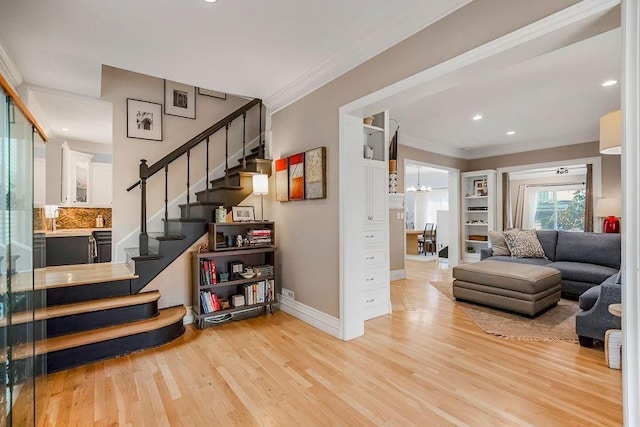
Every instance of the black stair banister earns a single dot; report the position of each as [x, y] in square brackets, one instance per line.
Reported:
[188, 170]
[260, 141]
[206, 181]
[178, 152]
[244, 141]
[144, 238]
[226, 155]
[166, 199]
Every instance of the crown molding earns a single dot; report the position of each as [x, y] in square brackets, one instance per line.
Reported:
[8, 69]
[393, 32]
[432, 147]
[530, 145]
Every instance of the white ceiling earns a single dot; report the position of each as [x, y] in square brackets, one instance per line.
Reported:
[278, 49]
[555, 99]
[552, 100]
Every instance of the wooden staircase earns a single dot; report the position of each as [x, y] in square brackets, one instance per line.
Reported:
[96, 311]
[98, 319]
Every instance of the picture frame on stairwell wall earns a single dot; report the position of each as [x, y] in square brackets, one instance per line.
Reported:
[212, 93]
[144, 120]
[296, 177]
[282, 179]
[179, 99]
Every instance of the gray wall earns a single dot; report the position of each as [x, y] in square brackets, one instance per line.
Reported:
[308, 231]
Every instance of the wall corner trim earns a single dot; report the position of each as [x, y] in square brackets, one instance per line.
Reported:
[398, 274]
[9, 70]
[311, 316]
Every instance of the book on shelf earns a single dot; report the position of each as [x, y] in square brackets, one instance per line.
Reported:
[208, 272]
[209, 302]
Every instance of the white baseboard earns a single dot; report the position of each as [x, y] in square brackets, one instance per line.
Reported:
[398, 274]
[188, 318]
[315, 318]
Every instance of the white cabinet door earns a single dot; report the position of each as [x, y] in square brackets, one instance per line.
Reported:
[101, 184]
[379, 189]
[76, 177]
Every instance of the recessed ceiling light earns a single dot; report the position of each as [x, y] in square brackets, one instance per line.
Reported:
[609, 83]
[477, 117]
[210, 1]
[511, 132]
[65, 129]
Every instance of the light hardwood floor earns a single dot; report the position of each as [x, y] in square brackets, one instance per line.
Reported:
[427, 364]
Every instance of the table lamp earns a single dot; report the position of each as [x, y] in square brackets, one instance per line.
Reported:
[609, 209]
[261, 187]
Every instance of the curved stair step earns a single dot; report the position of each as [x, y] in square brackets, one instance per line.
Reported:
[72, 350]
[82, 307]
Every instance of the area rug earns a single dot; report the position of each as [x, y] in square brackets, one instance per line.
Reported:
[556, 324]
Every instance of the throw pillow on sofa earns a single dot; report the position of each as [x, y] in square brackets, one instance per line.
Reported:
[524, 244]
[498, 244]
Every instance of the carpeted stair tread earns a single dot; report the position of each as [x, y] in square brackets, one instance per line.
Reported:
[83, 307]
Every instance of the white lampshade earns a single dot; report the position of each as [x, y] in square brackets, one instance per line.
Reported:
[611, 133]
[608, 207]
[260, 184]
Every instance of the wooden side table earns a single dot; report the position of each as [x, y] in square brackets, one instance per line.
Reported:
[613, 341]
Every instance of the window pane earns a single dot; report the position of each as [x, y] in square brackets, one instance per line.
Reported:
[571, 210]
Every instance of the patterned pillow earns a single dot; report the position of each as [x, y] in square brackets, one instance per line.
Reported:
[524, 244]
[498, 244]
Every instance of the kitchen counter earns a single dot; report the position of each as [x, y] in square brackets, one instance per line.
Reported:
[73, 232]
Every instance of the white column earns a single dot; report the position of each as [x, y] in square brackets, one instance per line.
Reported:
[631, 208]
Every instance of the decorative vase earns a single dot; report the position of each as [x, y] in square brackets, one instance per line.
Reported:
[393, 182]
[611, 224]
[368, 120]
[221, 215]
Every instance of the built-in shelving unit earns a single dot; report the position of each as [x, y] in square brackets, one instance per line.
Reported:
[478, 207]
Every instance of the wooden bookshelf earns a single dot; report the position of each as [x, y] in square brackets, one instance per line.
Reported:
[259, 291]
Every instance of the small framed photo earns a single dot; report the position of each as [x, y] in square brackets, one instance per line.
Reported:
[242, 213]
[235, 268]
[144, 120]
[179, 99]
[480, 187]
[212, 93]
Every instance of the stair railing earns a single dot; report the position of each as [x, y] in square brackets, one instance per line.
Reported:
[147, 171]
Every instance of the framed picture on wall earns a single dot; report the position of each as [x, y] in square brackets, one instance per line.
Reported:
[179, 99]
[480, 187]
[144, 120]
[282, 180]
[212, 93]
[315, 173]
[296, 177]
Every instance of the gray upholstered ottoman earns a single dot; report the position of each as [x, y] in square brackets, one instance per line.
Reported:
[523, 288]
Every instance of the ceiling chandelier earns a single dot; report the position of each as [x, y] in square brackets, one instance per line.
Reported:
[421, 188]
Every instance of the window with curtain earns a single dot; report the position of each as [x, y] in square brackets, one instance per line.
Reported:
[428, 204]
[559, 208]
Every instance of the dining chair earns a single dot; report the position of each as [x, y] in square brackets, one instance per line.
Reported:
[427, 238]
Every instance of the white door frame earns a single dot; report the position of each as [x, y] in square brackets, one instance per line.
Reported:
[630, 89]
[486, 57]
[454, 207]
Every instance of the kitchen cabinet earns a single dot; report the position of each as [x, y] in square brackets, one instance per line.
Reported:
[67, 250]
[101, 185]
[76, 177]
[103, 246]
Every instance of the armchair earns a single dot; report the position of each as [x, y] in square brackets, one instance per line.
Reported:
[594, 320]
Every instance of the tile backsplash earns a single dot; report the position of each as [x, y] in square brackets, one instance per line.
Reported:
[72, 218]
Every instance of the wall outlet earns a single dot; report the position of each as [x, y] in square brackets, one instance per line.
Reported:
[287, 293]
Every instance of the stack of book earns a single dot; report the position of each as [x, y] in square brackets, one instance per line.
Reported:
[209, 301]
[207, 272]
[259, 236]
[260, 292]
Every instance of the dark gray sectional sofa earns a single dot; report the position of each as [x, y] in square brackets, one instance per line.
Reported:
[584, 260]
